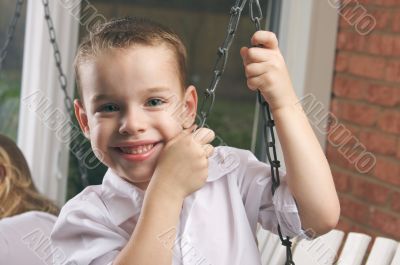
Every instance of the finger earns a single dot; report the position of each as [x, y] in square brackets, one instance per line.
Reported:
[266, 39]
[258, 55]
[255, 82]
[254, 69]
[243, 53]
[208, 150]
[204, 136]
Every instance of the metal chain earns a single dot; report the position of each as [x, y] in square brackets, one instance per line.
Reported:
[256, 16]
[62, 79]
[11, 31]
[269, 125]
[219, 67]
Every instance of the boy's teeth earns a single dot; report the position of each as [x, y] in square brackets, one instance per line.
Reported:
[137, 149]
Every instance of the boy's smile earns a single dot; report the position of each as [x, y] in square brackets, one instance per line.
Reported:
[133, 103]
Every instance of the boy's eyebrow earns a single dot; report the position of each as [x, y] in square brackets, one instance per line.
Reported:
[157, 89]
[99, 97]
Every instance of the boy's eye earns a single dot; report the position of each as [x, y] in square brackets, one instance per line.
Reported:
[155, 102]
[108, 108]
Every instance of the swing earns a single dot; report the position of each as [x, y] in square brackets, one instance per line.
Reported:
[268, 123]
[256, 16]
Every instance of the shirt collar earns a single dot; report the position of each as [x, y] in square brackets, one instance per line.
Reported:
[120, 195]
[122, 199]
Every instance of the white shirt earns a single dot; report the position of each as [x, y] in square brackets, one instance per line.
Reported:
[25, 239]
[217, 224]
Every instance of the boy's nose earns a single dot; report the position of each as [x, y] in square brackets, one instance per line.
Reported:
[133, 122]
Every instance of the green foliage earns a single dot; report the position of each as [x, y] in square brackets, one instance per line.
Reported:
[9, 103]
[232, 121]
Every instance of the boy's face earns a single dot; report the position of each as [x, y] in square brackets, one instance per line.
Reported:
[133, 104]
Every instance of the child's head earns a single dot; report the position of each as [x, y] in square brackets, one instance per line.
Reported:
[125, 33]
[131, 79]
[17, 191]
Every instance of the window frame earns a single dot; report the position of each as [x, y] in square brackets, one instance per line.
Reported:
[40, 79]
[310, 26]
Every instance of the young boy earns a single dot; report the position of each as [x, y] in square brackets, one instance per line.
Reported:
[168, 196]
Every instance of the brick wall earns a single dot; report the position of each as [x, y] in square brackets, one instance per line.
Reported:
[366, 101]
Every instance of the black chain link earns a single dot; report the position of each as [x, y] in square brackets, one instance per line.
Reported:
[219, 67]
[62, 79]
[256, 16]
[11, 31]
[269, 126]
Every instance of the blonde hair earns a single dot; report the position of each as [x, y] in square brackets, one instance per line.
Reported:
[18, 194]
[122, 34]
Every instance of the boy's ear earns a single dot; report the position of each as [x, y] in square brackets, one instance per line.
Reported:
[190, 108]
[81, 116]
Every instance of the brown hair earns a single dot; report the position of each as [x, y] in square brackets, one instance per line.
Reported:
[18, 194]
[125, 32]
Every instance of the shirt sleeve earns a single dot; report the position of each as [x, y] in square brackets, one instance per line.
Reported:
[83, 235]
[261, 206]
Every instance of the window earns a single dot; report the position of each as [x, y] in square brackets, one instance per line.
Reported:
[10, 75]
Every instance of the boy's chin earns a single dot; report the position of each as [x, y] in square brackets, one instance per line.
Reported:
[142, 184]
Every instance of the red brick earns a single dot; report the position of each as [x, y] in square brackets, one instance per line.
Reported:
[351, 41]
[354, 210]
[379, 142]
[336, 158]
[367, 66]
[396, 48]
[334, 132]
[384, 3]
[393, 71]
[386, 223]
[369, 191]
[357, 113]
[387, 170]
[343, 24]
[398, 149]
[381, 44]
[389, 121]
[396, 202]
[344, 225]
[342, 62]
[342, 181]
[396, 21]
[334, 106]
[382, 18]
[349, 88]
[352, 13]
[341, 135]
[383, 95]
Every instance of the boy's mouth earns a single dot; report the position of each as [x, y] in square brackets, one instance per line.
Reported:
[137, 149]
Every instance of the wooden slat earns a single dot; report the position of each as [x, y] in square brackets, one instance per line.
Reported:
[269, 244]
[354, 249]
[322, 250]
[396, 258]
[382, 251]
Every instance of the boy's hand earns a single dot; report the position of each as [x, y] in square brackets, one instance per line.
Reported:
[182, 167]
[266, 70]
